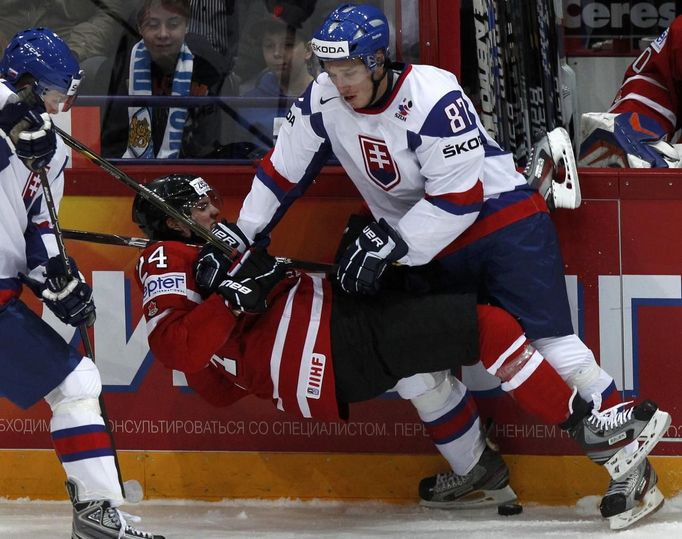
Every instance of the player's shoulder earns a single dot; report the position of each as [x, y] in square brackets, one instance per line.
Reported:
[436, 99]
[431, 81]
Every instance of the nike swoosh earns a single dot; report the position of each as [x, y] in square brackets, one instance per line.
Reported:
[323, 101]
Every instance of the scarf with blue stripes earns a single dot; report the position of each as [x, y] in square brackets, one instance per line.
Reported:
[140, 142]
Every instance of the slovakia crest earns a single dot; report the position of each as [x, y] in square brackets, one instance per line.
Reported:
[379, 164]
[31, 189]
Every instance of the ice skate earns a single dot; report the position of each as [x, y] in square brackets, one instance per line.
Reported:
[99, 520]
[606, 435]
[551, 169]
[487, 484]
[632, 498]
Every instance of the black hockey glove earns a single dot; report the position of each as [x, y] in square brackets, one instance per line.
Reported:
[30, 130]
[66, 295]
[212, 266]
[364, 260]
[254, 279]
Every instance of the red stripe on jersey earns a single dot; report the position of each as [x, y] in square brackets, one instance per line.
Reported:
[466, 198]
[267, 166]
[495, 221]
[6, 295]
[82, 442]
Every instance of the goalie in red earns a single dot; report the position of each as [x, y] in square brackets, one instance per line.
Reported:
[642, 126]
[249, 324]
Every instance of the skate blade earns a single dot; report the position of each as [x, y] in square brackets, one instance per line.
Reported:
[652, 502]
[476, 499]
[566, 193]
[620, 464]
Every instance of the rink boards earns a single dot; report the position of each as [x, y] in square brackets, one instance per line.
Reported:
[623, 266]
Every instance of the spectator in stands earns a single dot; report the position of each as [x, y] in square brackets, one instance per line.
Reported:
[90, 29]
[167, 61]
[283, 39]
[645, 117]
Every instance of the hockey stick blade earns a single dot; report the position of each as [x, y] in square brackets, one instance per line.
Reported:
[141, 243]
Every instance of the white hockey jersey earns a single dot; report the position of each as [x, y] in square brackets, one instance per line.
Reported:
[26, 237]
[423, 161]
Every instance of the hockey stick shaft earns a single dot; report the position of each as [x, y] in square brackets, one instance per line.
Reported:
[82, 328]
[143, 191]
[59, 238]
[141, 243]
[107, 239]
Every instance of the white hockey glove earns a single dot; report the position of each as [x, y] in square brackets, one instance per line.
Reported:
[364, 260]
[551, 169]
[628, 139]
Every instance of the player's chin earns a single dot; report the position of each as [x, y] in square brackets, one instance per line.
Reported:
[354, 101]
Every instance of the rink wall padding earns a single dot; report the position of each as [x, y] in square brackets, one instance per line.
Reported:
[213, 476]
[623, 263]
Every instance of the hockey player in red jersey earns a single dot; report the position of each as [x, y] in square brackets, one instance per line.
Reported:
[642, 125]
[248, 325]
[35, 360]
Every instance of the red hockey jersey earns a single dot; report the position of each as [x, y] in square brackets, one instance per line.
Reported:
[652, 84]
[283, 354]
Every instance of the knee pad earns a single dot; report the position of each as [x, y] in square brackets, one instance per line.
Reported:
[81, 388]
[428, 391]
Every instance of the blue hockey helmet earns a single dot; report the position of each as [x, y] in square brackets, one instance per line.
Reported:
[352, 31]
[45, 56]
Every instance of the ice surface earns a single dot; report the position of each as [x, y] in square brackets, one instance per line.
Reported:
[294, 519]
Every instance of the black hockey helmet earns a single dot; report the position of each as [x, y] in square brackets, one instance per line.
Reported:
[182, 192]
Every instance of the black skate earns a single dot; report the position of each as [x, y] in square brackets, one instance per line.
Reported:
[485, 485]
[605, 435]
[99, 520]
[632, 498]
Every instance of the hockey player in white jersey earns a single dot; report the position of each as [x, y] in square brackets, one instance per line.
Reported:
[413, 145]
[36, 362]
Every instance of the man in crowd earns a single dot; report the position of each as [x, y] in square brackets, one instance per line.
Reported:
[642, 126]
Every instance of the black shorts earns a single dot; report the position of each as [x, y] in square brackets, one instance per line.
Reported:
[376, 341]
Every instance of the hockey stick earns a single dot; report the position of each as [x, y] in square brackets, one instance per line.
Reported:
[82, 328]
[143, 191]
[141, 243]
[169, 210]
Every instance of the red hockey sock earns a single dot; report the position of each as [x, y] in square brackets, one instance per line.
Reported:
[532, 382]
